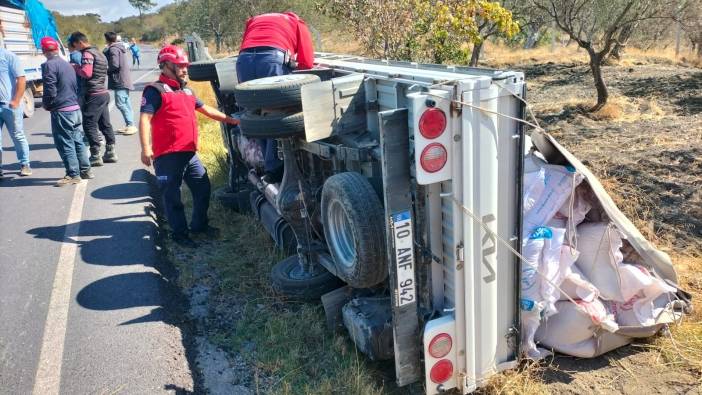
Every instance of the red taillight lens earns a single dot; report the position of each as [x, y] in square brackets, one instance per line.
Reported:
[432, 123]
[441, 372]
[433, 157]
[440, 345]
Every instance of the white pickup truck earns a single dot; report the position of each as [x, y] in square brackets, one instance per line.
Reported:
[22, 25]
[402, 206]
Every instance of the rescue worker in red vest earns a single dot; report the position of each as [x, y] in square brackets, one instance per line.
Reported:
[169, 136]
[274, 44]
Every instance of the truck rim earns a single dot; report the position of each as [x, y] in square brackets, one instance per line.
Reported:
[342, 239]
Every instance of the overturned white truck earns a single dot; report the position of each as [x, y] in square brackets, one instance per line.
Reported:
[408, 207]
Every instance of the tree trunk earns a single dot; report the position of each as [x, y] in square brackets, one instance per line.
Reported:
[218, 42]
[622, 38]
[533, 36]
[475, 55]
[600, 86]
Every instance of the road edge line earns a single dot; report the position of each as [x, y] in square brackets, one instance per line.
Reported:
[48, 377]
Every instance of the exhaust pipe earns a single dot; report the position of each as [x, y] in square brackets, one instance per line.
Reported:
[270, 191]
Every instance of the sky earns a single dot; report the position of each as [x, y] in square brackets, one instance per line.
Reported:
[109, 10]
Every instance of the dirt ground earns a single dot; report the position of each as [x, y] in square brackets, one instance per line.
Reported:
[648, 152]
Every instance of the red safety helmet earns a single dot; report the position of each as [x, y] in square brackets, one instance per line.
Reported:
[173, 54]
[49, 44]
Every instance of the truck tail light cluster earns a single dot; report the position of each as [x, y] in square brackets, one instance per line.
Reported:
[439, 347]
[440, 363]
[432, 135]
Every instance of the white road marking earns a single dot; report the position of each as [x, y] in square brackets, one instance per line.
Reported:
[48, 377]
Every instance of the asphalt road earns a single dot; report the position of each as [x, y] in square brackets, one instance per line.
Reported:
[85, 305]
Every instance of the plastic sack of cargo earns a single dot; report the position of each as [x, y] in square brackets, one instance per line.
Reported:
[600, 246]
[582, 329]
[647, 296]
[575, 286]
[559, 182]
[546, 264]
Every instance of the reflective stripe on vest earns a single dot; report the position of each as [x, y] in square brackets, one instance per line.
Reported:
[174, 125]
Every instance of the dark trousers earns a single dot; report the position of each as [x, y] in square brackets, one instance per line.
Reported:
[260, 63]
[96, 114]
[171, 169]
[67, 129]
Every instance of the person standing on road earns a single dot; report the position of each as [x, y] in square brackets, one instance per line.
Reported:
[273, 44]
[136, 53]
[96, 97]
[12, 85]
[60, 97]
[168, 133]
[119, 80]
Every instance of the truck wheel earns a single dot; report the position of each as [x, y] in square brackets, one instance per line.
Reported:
[354, 227]
[272, 126]
[204, 70]
[290, 280]
[28, 100]
[273, 92]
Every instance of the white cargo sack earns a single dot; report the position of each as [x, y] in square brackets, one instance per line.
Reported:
[600, 246]
[575, 286]
[558, 184]
[642, 291]
[579, 330]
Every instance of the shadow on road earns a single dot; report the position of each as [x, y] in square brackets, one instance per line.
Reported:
[129, 240]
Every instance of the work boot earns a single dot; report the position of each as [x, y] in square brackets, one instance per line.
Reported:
[95, 159]
[87, 174]
[25, 171]
[110, 156]
[67, 180]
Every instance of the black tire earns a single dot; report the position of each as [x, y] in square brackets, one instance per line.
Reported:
[237, 201]
[354, 228]
[204, 70]
[273, 92]
[289, 280]
[272, 126]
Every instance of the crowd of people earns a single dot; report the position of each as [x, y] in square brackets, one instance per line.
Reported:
[76, 93]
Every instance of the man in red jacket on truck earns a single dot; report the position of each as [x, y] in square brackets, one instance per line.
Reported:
[274, 44]
[168, 134]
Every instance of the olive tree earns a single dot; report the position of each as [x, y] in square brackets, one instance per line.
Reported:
[596, 26]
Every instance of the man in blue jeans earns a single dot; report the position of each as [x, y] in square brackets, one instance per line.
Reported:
[61, 99]
[273, 44]
[12, 85]
[119, 79]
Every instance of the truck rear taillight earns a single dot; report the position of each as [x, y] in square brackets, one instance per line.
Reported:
[432, 123]
[433, 157]
[441, 371]
[440, 345]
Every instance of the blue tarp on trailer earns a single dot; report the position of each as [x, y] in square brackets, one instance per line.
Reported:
[40, 18]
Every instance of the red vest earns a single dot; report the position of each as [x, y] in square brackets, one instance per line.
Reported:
[174, 125]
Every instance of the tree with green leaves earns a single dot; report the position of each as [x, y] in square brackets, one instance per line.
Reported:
[438, 31]
[597, 25]
[142, 6]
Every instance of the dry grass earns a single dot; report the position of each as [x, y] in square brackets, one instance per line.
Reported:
[526, 380]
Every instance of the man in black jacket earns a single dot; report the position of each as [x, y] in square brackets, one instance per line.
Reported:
[61, 99]
[93, 69]
[119, 79]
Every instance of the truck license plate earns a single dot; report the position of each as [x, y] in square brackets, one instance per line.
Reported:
[404, 258]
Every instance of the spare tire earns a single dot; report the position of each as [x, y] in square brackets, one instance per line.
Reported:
[271, 126]
[204, 70]
[354, 228]
[290, 280]
[273, 92]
